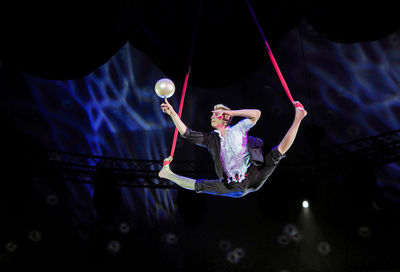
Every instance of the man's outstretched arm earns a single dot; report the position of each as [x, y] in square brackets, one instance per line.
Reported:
[288, 140]
[168, 109]
[195, 137]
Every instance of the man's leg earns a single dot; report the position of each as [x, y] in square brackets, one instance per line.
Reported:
[288, 140]
[166, 173]
[207, 186]
[258, 176]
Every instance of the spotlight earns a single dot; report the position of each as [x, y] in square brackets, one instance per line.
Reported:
[364, 231]
[297, 237]
[224, 245]
[170, 238]
[35, 236]
[305, 204]
[283, 240]
[324, 248]
[124, 228]
[376, 206]
[113, 247]
[11, 247]
[290, 230]
[239, 252]
[52, 199]
[232, 258]
[235, 255]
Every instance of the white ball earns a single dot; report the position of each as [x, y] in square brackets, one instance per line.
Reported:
[165, 88]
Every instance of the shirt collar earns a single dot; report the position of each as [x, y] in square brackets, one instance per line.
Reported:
[219, 133]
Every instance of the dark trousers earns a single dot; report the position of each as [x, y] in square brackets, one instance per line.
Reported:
[254, 180]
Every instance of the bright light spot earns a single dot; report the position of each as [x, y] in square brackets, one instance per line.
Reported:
[11, 247]
[35, 236]
[305, 204]
[170, 238]
[283, 240]
[364, 231]
[235, 255]
[124, 228]
[224, 244]
[290, 229]
[324, 248]
[113, 247]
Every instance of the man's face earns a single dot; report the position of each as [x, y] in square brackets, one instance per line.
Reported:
[217, 122]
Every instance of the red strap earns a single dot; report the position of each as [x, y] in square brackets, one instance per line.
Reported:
[180, 113]
[166, 163]
[298, 105]
[271, 56]
[278, 71]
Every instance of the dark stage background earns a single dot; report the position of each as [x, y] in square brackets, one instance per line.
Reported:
[351, 92]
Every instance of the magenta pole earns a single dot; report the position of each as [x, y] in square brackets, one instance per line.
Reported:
[271, 56]
[180, 112]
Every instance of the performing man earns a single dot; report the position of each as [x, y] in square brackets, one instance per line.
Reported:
[239, 161]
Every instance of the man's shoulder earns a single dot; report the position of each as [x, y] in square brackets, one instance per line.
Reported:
[243, 125]
[254, 141]
[244, 121]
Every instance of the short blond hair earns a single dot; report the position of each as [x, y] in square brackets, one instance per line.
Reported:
[223, 107]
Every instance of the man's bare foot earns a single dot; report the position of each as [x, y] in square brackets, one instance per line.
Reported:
[300, 111]
[165, 171]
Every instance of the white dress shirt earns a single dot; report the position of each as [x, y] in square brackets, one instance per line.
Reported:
[235, 156]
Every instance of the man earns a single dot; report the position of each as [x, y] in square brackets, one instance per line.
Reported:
[238, 159]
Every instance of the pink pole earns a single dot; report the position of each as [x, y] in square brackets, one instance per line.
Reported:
[271, 56]
[180, 112]
[278, 71]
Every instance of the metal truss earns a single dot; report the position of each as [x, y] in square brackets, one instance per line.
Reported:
[82, 168]
[377, 150]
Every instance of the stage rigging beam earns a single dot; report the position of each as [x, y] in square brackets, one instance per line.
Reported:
[82, 168]
[377, 150]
